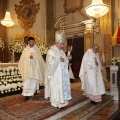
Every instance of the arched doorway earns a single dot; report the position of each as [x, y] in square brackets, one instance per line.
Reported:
[77, 42]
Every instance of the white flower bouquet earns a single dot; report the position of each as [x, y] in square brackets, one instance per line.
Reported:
[1, 44]
[10, 80]
[115, 60]
[43, 47]
[16, 46]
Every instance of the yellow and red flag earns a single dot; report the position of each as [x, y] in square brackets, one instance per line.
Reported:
[116, 37]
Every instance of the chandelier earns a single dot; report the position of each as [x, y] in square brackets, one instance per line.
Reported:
[7, 21]
[97, 9]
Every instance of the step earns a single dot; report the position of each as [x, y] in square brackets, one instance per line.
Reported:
[68, 109]
[84, 112]
[109, 112]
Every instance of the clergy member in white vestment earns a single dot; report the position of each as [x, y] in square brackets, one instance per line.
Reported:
[31, 66]
[69, 55]
[91, 76]
[57, 82]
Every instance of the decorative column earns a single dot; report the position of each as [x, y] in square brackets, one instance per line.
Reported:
[113, 82]
[88, 39]
[88, 33]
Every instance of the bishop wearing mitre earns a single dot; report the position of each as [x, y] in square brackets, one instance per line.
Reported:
[57, 81]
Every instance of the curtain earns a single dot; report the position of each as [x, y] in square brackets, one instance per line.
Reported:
[106, 31]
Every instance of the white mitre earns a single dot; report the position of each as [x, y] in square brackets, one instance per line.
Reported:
[59, 37]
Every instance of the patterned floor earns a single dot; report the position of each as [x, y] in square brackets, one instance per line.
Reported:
[89, 109]
[15, 108]
[109, 112]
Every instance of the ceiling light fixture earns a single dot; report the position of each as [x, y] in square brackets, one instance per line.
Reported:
[7, 21]
[97, 9]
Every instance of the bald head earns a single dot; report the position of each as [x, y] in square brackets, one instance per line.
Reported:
[95, 48]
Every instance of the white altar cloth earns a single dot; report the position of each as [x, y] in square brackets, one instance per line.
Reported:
[8, 64]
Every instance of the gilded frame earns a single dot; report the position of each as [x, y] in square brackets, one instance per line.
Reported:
[26, 13]
[72, 6]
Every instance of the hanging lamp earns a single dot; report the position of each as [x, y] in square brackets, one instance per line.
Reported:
[7, 21]
[97, 9]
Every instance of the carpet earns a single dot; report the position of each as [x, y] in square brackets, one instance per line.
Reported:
[15, 108]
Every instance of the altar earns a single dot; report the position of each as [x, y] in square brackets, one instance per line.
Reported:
[10, 79]
[8, 64]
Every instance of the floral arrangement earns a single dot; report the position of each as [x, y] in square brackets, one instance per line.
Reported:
[115, 60]
[1, 44]
[10, 80]
[16, 46]
[43, 47]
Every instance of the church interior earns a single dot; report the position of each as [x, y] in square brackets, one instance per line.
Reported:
[84, 25]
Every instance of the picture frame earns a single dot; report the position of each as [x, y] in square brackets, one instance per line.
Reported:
[26, 13]
[72, 6]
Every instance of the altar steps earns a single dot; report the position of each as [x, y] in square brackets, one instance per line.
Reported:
[89, 111]
[68, 109]
[109, 112]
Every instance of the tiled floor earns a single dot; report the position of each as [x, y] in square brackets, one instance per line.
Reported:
[84, 112]
[107, 112]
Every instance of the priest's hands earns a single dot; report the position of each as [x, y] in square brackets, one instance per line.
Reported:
[31, 56]
[61, 59]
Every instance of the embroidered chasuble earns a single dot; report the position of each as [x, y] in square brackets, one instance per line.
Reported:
[91, 77]
[57, 82]
[32, 70]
